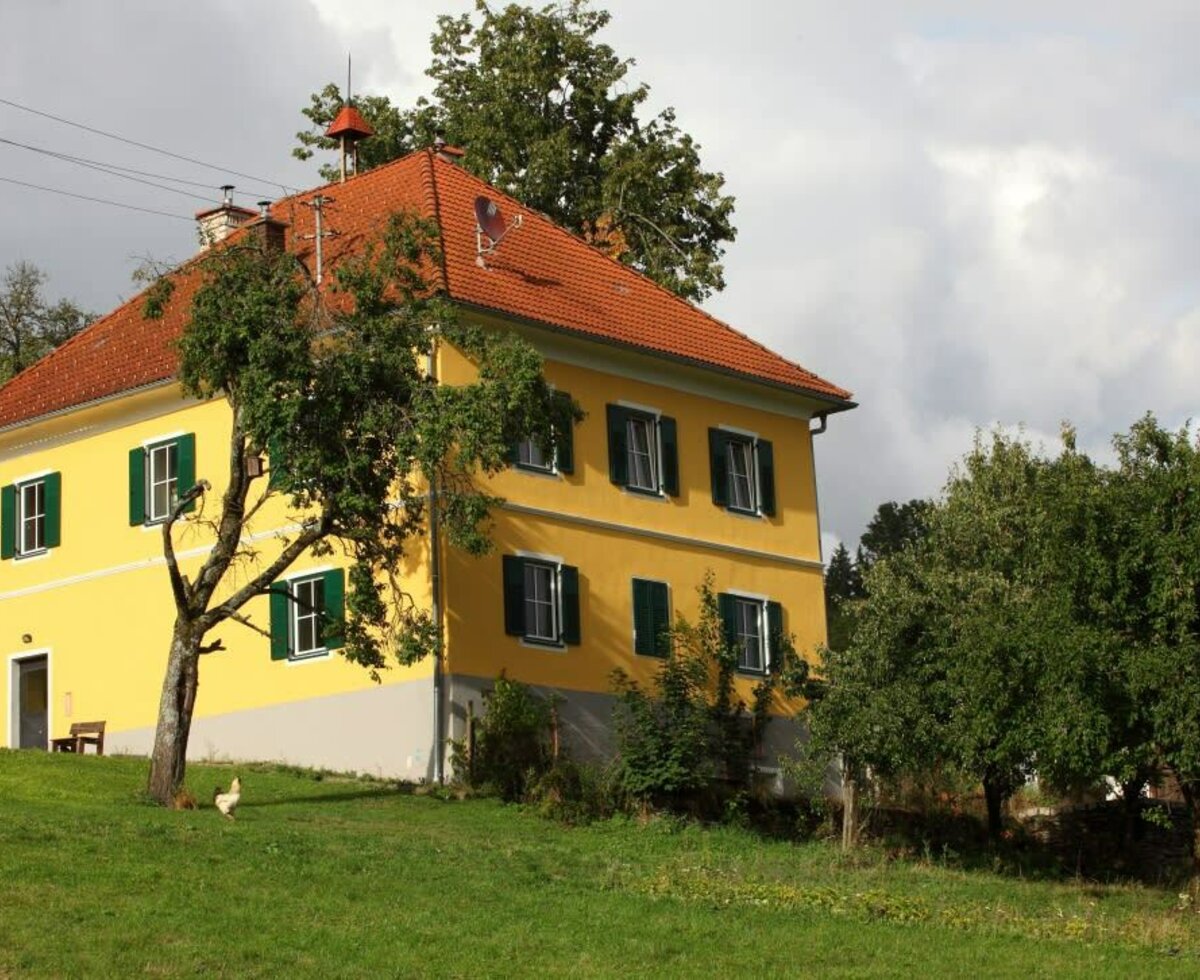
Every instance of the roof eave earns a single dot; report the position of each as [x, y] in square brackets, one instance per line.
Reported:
[835, 403]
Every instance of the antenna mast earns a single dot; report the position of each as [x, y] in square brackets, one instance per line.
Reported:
[319, 232]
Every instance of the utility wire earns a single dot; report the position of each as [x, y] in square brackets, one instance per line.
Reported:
[143, 146]
[102, 169]
[107, 167]
[97, 200]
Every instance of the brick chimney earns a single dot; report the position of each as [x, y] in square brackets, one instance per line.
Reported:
[216, 224]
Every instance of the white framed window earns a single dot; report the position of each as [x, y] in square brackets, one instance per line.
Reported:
[308, 615]
[31, 515]
[531, 456]
[743, 472]
[753, 626]
[162, 480]
[31, 518]
[307, 629]
[541, 600]
[159, 471]
[643, 450]
[751, 646]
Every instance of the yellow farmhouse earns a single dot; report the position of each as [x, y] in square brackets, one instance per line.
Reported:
[696, 455]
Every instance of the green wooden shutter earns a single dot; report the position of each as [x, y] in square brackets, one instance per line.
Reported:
[661, 612]
[281, 610]
[718, 466]
[333, 629]
[727, 607]
[618, 446]
[775, 633]
[569, 584]
[564, 434]
[514, 596]
[185, 468]
[643, 618]
[766, 477]
[669, 438]
[137, 486]
[8, 521]
[53, 510]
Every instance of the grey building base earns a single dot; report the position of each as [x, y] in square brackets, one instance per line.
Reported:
[386, 731]
[585, 728]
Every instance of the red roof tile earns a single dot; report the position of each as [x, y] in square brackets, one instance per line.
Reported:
[539, 273]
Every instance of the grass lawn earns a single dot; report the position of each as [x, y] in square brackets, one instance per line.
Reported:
[345, 878]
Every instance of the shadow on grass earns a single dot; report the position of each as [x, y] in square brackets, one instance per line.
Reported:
[343, 796]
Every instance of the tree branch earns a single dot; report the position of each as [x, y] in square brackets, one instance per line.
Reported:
[262, 581]
[179, 587]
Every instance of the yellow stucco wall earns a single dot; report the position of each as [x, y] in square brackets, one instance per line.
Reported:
[100, 603]
[785, 568]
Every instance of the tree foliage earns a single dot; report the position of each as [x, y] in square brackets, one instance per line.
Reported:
[548, 114]
[683, 738]
[336, 391]
[31, 326]
[893, 528]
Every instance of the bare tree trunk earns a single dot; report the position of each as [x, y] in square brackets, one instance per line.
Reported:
[169, 757]
[849, 813]
[994, 792]
[1131, 795]
[1191, 796]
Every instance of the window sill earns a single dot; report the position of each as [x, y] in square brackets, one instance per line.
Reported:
[535, 470]
[32, 555]
[556, 646]
[753, 515]
[642, 492]
[316, 656]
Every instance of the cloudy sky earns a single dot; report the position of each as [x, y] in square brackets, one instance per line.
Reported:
[969, 214]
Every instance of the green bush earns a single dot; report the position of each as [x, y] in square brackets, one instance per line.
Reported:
[685, 742]
[512, 742]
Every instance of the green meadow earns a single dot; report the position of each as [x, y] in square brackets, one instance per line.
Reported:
[321, 876]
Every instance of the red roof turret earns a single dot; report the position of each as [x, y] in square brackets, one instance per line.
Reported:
[349, 122]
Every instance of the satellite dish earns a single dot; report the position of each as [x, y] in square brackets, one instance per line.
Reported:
[490, 225]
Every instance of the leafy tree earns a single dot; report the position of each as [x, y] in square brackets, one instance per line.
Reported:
[946, 659]
[684, 736]
[1155, 601]
[843, 585]
[548, 115]
[338, 392]
[30, 326]
[893, 528]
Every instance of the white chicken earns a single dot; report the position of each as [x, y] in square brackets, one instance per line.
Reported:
[228, 802]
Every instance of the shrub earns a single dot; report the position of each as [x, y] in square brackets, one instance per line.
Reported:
[512, 742]
[686, 741]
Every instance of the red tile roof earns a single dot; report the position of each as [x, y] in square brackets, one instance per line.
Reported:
[539, 273]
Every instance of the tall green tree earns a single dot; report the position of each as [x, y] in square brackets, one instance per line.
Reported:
[893, 528]
[946, 659]
[30, 325]
[548, 114]
[339, 394]
[843, 585]
[1156, 596]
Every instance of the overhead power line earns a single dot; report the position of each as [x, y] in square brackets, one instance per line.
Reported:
[142, 146]
[113, 168]
[101, 169]
[97, 200]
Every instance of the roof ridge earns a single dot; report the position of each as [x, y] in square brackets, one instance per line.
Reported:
[641, 276]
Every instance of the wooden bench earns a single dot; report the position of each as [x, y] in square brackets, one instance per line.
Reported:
[83, 734]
